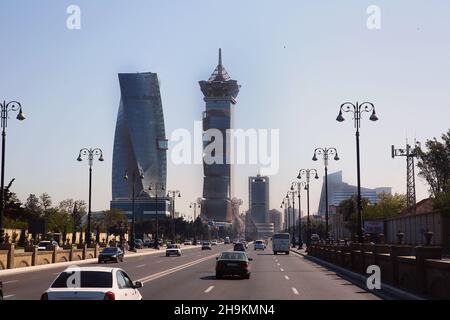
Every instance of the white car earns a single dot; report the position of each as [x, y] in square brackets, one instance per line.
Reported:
[42, 245]
[93, 283]
[259, 245]
[214, 243]
[173, 249]
[188, 243]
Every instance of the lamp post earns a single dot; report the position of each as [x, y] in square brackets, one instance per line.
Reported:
[156, 186]
[195, 205]
[357, 109]
[307, 174]
[285, 203]
[172, 194]
[6, 107]
[134, 177]
[292, 193]
[90, 153]
[326, 152]
[299, 185]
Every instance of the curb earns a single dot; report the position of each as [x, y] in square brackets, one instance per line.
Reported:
[387, 292]
[8, 272]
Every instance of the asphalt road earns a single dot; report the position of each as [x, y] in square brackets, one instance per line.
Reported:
[191, 277]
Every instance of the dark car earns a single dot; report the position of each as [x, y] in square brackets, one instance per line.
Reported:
[233, 263]
[239, 247]
[139, 244]
[148, 243]
[110, 254]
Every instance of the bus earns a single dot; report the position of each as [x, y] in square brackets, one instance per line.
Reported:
[281, 243]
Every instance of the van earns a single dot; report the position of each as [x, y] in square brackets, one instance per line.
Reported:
[281, 243]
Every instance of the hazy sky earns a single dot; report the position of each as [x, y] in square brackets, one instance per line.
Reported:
[297, 61]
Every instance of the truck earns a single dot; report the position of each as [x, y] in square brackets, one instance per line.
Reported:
[281, 243]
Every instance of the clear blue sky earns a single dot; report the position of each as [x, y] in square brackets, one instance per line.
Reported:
[297, 61]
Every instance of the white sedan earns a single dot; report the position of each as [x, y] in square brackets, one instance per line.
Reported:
[173, 249]
[93, 283]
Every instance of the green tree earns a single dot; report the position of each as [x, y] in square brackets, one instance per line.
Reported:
[434, 164]
[388, 206]
[33, 205]
[45, 201]
[116, 222]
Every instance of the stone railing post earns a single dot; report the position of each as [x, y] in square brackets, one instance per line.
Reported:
[11, 251]
[96, 251]
[396, 251]
[54, 253]
[422, 254]
[72, 248]
[84, 251]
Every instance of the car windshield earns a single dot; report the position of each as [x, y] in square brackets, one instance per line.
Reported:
[110, 250]
[206, 243]
[83, 279]
[281, 236]
[44, 243]
[171, 246]
[233, 256]
[258, 242]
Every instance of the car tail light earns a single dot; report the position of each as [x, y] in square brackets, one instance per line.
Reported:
[110, 296]
[44, 296]
[220, 265]
[244, 265]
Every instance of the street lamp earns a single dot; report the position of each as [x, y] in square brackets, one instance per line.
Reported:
[299, 185]
[326, 152]
[357, 109]
[307, 174]
[172, 194]
[90, 153]
[5, 108]
[136, 174]
[156, 186]
[292, 193]
[285, 203]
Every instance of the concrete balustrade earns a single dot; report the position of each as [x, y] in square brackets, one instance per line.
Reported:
[10, 258]
[419, 270]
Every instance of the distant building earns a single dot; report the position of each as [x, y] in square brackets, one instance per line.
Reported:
[275, 217]
[339, 191]
[139, 145]
[258, 191]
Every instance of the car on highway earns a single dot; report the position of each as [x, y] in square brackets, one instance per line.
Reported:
[315, 237]
[42, 245]
[114, 254]
[239, 246]
[93, 283]
[259, 245]
[206, 245]
[188, 243]
[214, 243]
[173, 249]
[148, 243]
[233, 263]
[281, 243]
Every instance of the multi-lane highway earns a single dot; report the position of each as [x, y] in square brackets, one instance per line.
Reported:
[192, 277]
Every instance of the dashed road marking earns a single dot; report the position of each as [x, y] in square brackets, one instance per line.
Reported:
[286, 277]
[140, 266]
[209, 289]
[8, 296]
[278, 264]
[295, 291]
[10, 281]
[159, 261]
[281, 269]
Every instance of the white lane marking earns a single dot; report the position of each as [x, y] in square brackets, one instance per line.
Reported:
[10, 281]
[175, 269]
[281, 269]
[140, 266]
[8, 296]
[209, 289]
[295, 291]
[278, 264]
[286, 277]
[159, 261]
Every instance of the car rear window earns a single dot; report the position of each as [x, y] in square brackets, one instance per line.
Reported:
[110, 250]
[233, 256]
[258, 242]
[87, 279]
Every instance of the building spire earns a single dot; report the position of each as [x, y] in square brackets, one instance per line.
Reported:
[220, 56]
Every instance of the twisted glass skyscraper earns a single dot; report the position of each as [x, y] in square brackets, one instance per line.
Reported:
[138, 138]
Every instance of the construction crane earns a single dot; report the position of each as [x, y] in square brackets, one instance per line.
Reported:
[410, 153]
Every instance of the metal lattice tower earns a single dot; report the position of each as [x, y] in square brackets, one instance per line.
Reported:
[410, 153]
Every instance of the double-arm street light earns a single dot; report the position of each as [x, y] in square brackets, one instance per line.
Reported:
[307, 174]
[172, 194]
[136, 174]
[156, 186]
[91, 154]
[292, 193]
[325, 153]
[299, 185]
[357, 109]
[6, 108]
